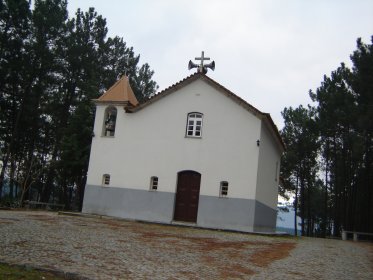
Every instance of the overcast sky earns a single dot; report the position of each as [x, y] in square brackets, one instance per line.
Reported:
[270, 53]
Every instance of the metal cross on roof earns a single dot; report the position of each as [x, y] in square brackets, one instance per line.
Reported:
[202, 68]
[202, 58]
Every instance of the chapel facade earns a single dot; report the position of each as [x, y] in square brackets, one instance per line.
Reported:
[195, 153]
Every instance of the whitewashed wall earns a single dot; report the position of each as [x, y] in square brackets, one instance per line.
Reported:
[152, 142]
[268, 174]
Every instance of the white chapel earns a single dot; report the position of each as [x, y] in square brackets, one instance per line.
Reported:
[195, 153]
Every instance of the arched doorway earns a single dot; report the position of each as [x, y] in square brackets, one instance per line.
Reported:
[187, 196]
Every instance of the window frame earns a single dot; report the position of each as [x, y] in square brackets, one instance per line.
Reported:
[194, 125]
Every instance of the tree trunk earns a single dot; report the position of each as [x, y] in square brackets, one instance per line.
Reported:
[80, 190]
[2, 174]
[11, 178]
[325, 218]
[302, 206]
[296, 208]
[10, 149]
[309, 219]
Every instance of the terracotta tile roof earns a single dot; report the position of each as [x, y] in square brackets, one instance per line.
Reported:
[263, 116]
[120, 92]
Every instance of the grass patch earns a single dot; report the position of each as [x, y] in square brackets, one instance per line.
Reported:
[12, 272]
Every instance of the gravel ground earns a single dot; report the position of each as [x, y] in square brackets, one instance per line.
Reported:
[89, 247]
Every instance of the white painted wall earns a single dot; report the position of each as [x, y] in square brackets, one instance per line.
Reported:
[152, 142]
[268, 174]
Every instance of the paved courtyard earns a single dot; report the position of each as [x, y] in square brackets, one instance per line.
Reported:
[89, 247]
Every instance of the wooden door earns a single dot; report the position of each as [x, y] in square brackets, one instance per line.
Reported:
[187, 196]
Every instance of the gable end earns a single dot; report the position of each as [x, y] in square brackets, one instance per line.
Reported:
[188, 80]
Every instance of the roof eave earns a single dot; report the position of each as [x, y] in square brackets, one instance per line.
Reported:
[112, 102]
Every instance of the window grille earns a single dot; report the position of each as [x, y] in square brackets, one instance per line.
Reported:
[154, 183]
[223, 188]
[106, 180]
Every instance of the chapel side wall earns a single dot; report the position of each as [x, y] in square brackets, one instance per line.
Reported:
[268, 181]
[152, 142]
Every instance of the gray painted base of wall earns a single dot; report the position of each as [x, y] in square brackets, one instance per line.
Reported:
[129, 203]
[213, 212]
[226, 213]
[265, 218]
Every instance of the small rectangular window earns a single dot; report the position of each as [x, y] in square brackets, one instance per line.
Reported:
[153, 183]
[106, 180]
[223, 188]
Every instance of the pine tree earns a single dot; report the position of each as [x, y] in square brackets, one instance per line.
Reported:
[15, 82]
[52, 66]
[362, 86]
[341, 123]
[299, 164]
